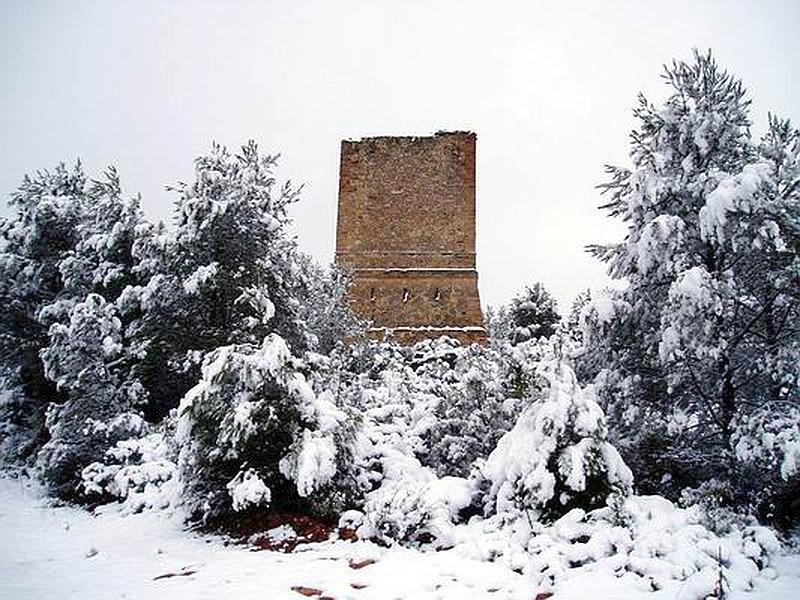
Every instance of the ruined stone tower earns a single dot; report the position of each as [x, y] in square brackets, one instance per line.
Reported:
[406, 228]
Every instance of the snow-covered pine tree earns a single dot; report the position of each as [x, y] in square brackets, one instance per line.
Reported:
[705, 332]
[155, 327]
[89, 355]
[533, 314]
[519, 331]
[233, 250]
[102, 261]
[324, 308]
[572, 322]
[498, 325]
[85, 357]
[47, 209]
[229, 272]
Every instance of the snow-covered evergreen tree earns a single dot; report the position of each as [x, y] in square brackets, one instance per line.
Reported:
[324, 308]
[83, 358]
[704, 336]
[68, 262]
[156, 328]
[102, 261]
[533, 314]
[573, 323]
[229, 273]
[498, 325]
[89, 355]
[236, 258]
[46, 212]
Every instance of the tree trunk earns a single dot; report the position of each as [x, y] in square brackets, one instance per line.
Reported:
[727, 412]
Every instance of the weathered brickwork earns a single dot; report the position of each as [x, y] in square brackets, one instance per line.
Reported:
[406, 228]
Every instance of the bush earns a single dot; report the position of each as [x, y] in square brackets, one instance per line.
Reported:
[471, 411]
[556, 457]
[253, 434]
[140, 472]
[416, 511]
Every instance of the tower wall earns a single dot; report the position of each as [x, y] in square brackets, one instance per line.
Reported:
[406, 229]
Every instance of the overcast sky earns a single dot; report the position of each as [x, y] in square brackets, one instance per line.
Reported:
[548, 89]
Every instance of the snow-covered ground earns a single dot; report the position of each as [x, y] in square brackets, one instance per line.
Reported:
[65, 552]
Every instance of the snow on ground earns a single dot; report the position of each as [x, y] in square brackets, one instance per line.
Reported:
[65, 552]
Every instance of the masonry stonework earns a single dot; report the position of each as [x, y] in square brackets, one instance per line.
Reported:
[406, 229]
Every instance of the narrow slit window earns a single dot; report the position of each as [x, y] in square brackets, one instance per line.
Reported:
[437, 295]
[405, 295]
[372, 295]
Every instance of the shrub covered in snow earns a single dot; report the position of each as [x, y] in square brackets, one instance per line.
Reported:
[441, 416]
[77, 441]
[654, 546]
[140, 472]
[556, 456]
[472, 407]
[252, 433]
[418, 510]
[439, 402]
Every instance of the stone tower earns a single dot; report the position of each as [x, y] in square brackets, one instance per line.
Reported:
[406, 229]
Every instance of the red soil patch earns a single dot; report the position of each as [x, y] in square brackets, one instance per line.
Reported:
[307, 530]
[347, 533]
[363, 563]
[306, 591]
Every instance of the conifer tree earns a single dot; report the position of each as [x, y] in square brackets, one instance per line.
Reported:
[89, 354]
[47, 209]
[704, 335]
[229, 273]
[530, 315]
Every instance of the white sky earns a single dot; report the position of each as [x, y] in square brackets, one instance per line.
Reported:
[547, 87]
